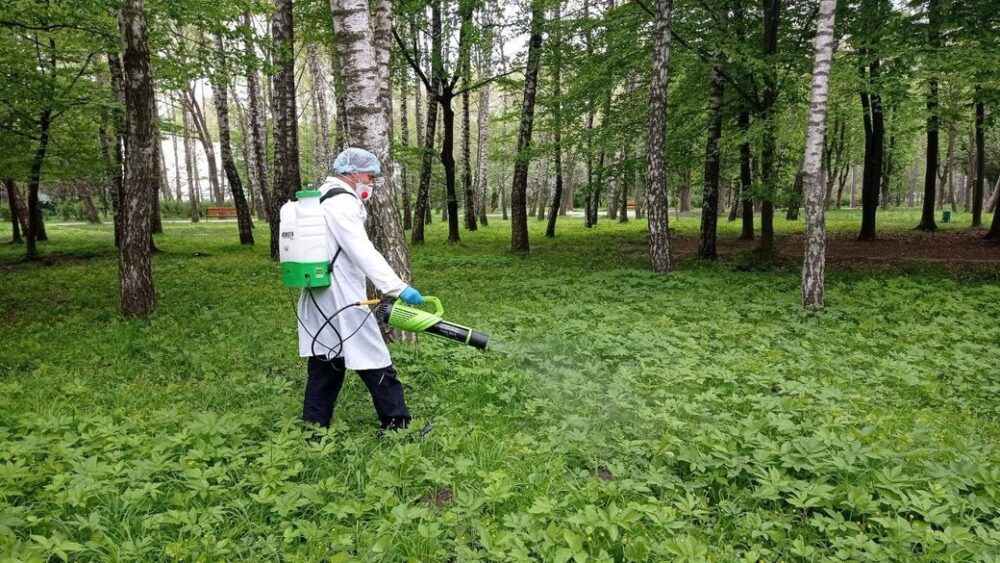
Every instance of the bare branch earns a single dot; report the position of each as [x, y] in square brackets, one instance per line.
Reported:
[482, 83]
[413, 64]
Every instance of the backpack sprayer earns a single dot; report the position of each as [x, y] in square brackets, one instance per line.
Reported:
[306, 264]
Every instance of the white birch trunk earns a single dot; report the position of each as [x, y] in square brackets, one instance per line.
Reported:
[814, 261]
[321, 152]
[656, 186]
[366, 84]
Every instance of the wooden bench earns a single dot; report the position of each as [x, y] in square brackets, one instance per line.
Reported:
[220, 212]
[630, 203]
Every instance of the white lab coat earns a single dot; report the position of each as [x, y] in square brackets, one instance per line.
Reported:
[345, 221]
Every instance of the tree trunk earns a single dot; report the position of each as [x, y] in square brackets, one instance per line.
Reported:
[287, 175]
[746, 178]
[796, 199]
[557, 195]
[769, 177]
[627, 184]
[165, 193]
[36, 225]
[519, 217]
[947, 178]
[322, 151]
[482, 186]
[419, 123]
[991, 204]
[155, 218]
[543, 191]
[257, 123]
[911, 194]
[220, 87]
[927, 222]
[980, 181]
[366, 99]
[205, 136]
[710, 198]
[121, 139]
[253, 182]
[89, 209]
[12, 202]
[142, 172]
[380, 24]
[854, 177]
[684, 193]
[888, 169]
[446, 95]
[189, 162]
[656, 178]
[177, 166]
[829, 150]
[569, 185]
[483, 119]
[422, 208]
[404, 141]
[994, 205]
[465, 71]
[470, 202]
[814, 261]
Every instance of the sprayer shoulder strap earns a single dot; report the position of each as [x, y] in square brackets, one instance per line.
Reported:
[331, 193]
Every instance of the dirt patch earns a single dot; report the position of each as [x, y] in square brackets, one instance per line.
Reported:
[968, 247]
[950, 247]
[603, 474]
[438, 497]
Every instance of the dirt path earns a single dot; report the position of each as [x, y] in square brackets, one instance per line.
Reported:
[958, 247]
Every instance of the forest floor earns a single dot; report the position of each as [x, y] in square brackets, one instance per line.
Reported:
[619, 414]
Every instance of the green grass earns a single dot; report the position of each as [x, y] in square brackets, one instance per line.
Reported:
[620, 415]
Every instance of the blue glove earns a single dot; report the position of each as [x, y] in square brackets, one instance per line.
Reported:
[411, 296]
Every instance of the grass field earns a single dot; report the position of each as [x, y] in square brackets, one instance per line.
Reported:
[620, 415]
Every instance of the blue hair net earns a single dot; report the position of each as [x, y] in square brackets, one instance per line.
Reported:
[356, 160]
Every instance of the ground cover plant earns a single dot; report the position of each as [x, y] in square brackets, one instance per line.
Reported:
[620, 415]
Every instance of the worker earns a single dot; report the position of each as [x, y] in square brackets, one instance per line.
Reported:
[351, 339]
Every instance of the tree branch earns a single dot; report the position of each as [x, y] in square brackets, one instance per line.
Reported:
[482, 83]
[79, 74]
[413, 64]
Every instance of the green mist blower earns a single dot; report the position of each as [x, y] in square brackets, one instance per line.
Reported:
[393, 312]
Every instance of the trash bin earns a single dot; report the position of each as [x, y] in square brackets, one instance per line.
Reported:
[946, 216]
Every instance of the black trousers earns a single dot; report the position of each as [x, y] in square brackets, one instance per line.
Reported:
[326, 377]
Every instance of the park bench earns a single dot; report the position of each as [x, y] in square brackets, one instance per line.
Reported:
[220, 212]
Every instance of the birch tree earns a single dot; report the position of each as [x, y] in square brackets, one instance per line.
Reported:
[556, 43]
[366, 76]
[142, 172]
[220, 86]
[189, 164]
[205, 137]
[287, 175]
[927, 222]
[656, 176]
[257, 124]
[519, 188]
[322, 153]
[483, 121]
[404, 141]
[814, 261]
